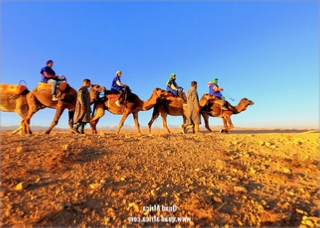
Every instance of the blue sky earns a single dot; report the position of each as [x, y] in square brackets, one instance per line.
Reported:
[265, 51]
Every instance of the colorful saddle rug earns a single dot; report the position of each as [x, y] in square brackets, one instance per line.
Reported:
[12, 88]
[44, 86]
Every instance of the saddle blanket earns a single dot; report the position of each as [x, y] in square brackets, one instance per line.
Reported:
[43, 86]
[12, 88]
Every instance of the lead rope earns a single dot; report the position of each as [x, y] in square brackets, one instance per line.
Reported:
[228, 96]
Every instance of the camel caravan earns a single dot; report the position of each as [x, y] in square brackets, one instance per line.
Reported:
[55, 92]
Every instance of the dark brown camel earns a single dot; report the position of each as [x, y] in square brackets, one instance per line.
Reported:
[214, 109]
[133, 106]
[174, 107]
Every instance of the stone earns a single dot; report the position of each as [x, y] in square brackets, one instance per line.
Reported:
[95, 186]
[22, 185]
[21, 149]
[66, 147]
[240, 189]
[286, 170]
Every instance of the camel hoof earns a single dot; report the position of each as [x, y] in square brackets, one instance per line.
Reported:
[47, 132]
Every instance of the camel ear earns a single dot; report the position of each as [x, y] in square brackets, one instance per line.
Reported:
[91, 85]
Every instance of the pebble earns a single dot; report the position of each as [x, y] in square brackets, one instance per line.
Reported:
[66, 147]
[240, 189]
[21, 186]
[268, 144]
[85, 210]
[286, 170]
[308, 223]
[95, 186]
[21, 149]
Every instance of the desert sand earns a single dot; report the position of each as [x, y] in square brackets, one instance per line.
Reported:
[241, 179]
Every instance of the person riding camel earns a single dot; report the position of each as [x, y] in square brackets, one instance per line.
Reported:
[215, 91]
[49, 76]
[118, 87]
[173, 88]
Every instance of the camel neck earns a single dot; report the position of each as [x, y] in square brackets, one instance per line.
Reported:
[239, 108]
[148, 104]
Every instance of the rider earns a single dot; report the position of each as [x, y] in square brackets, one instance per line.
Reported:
[118, 87]
[49, 76]
[215, 90]
[173, 88]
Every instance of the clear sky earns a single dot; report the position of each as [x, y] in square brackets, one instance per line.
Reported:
[265, 51]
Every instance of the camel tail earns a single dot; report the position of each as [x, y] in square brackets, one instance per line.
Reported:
[155, 111]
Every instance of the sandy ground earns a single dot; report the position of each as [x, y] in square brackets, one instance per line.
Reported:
[241, 179]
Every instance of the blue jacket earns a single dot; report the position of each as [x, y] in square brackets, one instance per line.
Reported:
[169, 89]
[174, 92]
[114, 86]
[48, 70]
[212, 92]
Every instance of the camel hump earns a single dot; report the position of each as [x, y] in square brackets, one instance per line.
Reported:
[47, 86]
[12, 88]
[170, 96]
[115, 95]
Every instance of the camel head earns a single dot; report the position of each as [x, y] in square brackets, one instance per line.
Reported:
[95, 92]
[246, 102]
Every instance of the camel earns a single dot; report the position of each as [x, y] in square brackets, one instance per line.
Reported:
[133, 106]
[174, 107]
[15, 103]
[214, 109]
[41, 97]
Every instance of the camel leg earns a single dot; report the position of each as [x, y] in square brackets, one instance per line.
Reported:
[33, 108]
[206, 122]
[124, 117]
[71, 115]
[225, 125]
[164, 121]
[59, 111]
[229, 123]
[18, 129]
[95, 119]
[153, 118]
[184, 120]
[136, 122]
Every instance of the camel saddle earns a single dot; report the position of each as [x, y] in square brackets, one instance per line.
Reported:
[46, 86]
[171, 97]
[12, 88]
[113, 95]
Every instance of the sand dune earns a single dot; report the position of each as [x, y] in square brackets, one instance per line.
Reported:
[245, 178]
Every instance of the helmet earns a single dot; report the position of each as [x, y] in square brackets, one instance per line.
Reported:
[118, 72]
[172, 75]
[214, 80]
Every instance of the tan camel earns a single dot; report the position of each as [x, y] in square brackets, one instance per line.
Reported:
[174, 107]
[41, 97]
[15, 103]
[132, 107]
[214, 109]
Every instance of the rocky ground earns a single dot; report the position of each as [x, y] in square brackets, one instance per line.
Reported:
[230, 180]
